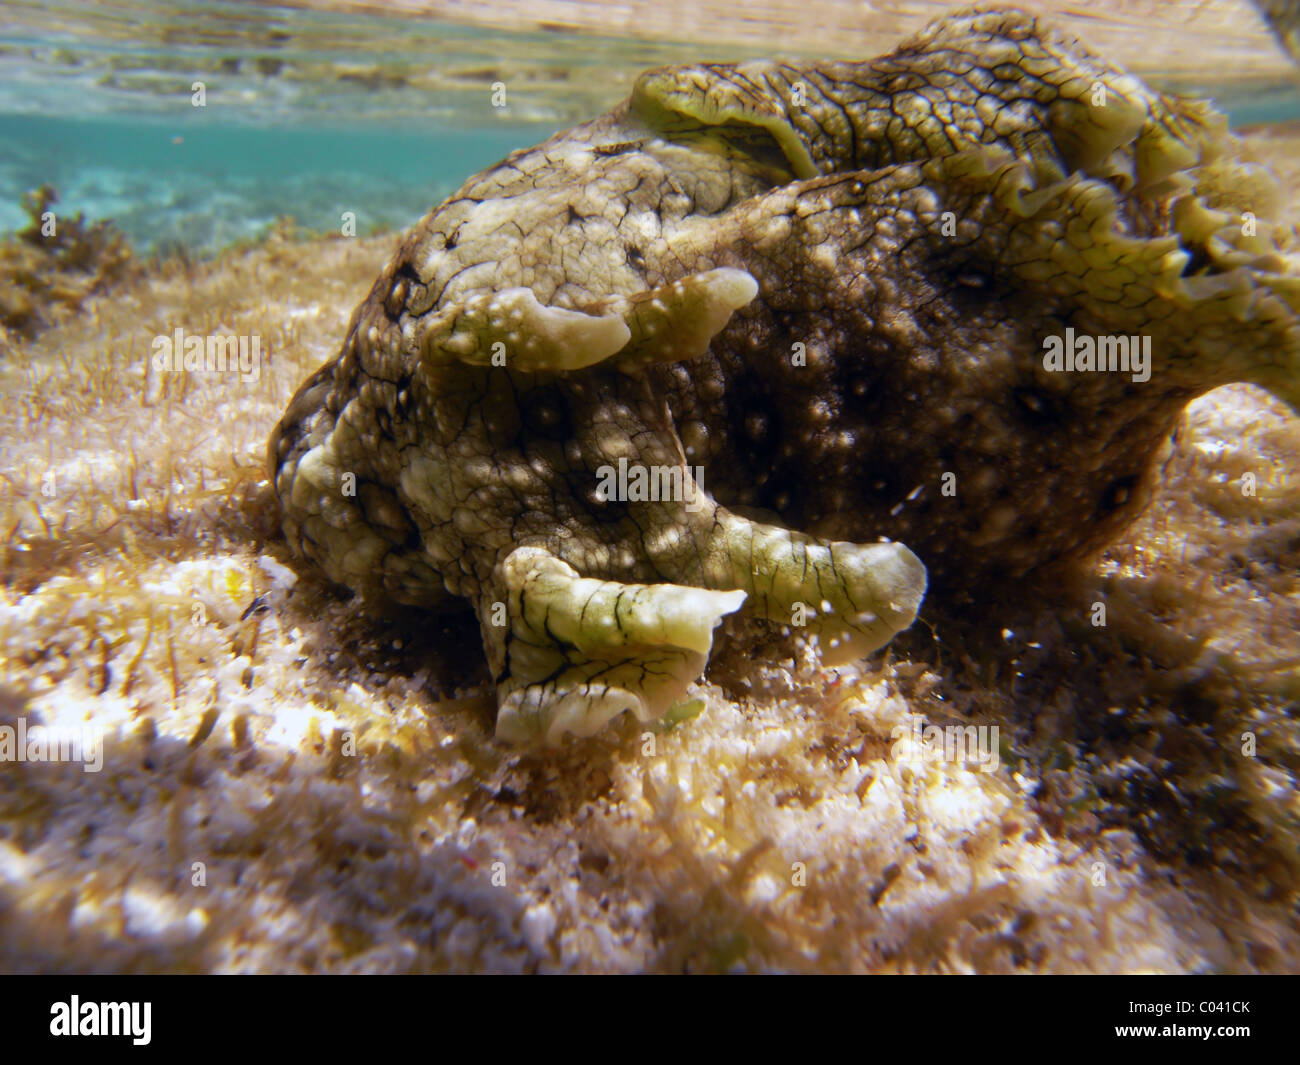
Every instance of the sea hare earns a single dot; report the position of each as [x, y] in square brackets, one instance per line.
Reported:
[733, 344]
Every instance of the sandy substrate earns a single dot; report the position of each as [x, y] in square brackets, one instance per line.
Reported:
[291, 781]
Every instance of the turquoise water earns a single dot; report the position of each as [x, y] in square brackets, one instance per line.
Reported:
[204, 185]
[306, 114]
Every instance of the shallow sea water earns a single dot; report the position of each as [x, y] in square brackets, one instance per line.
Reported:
[313, 113]
[306, 113]
[224, 740]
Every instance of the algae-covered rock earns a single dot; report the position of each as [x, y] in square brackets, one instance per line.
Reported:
[55, 264]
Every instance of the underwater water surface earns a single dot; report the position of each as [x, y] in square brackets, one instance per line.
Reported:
[309, 114]
[301, 113]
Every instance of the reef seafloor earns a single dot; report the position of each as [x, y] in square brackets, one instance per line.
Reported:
[290, 781]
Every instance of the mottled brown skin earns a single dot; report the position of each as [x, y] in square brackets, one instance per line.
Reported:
[916, 226]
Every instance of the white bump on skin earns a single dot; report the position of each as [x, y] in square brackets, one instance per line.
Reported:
[826, 256]
[644, 224]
